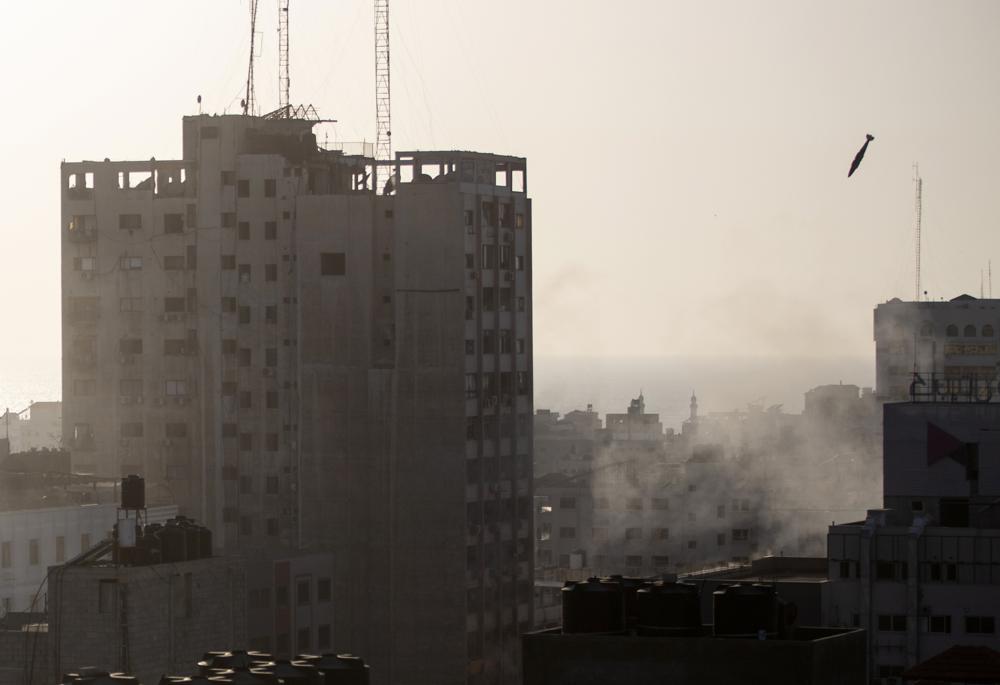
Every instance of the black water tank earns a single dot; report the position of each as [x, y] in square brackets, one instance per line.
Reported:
[184, 680]
[243, 676]
[133, 492]
[668, 608]
[746, 610]
[342, 669]
[593, 606]
[173, 543]
[294, 672]
[630, 586]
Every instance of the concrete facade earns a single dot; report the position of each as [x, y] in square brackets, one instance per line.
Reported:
[303, 362]
[37, 427]
[144, 620]
[34, 539]
[814, 656]
[953, 339]
[922, 574]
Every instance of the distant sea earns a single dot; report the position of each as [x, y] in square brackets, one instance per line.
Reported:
[609, 383]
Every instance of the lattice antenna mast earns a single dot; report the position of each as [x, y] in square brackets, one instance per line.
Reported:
[250, 101]
[919, 186]
[283, 75]
[383, 119]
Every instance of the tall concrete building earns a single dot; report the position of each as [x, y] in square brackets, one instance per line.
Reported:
[921, 575]
[951, 340]
[308, 349]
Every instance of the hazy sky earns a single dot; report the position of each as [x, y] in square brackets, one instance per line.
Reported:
[687, 160]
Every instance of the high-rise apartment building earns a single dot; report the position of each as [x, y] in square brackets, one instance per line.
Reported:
[949, 342]
[308, 349]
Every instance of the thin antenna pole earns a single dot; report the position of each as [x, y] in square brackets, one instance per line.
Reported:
[284, 78]
[250, 101]
[989, 276]
[383, 114]
[919, 183]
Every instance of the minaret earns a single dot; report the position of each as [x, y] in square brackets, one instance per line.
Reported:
[694, 408]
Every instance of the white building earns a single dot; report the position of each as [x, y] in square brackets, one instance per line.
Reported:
[35, 428]
[31, 540]
[923, 574]
[955, 339]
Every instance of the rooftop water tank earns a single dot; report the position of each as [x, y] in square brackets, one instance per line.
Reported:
[746, 611]
[342, 669]
[593, 606]
[133, 492]
[668, 608]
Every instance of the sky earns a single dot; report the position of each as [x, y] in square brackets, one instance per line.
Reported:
[687, 161]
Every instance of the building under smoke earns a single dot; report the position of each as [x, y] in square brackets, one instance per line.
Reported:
[303, 356]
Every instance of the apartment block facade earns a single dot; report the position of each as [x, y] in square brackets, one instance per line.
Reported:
[308, 349]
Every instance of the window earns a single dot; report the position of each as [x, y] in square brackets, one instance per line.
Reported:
[519, 220]
[567, 502]
[175, 430]
[951, 331]
[720, 539]
[939, 624]
[174, 347]
[634, 503]
[270, 230]
[970, 331]
[246, 485]
[127, 346]
[246, 442]
[661, 533]
[84, 263]
[244, 314]
[270, 272]
[130, 263]
[740, 534]
[5, 555]
[633, 533]
[271, 399]
[720, 511]
[661, 561]
[599, 533]
[174, 305]
[243, 230]
[33, 553]
[302, 592]
[567, 532]
[489, 341]
[323, 636]
[519, 262]
[845, 569]
[228, 220]
[602, 503]
[633, 561]
[227, 262]
[270, 187]
[520, 304]
[130, 222]
[504, 341]
[692, 544]
[892, 623]
[245, 273]
[520, 346]
[246, 399]
[471, 385]
[243, 188]
[987, 331]
[131, 430]
[173, 223]
[303, 640]
[130, 387]
[489, 299]
[982, 625]
[323, 590]
[271, 485]
[271, 442]
[332, 264]
[227, 178]
[470, 346]
[271, 314]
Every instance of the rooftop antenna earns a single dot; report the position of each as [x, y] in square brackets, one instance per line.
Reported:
[250, 101]
[283, 75]
[383, 118]
[919, 184]
[989, 277]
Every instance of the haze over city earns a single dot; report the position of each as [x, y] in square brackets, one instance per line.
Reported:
[689, 159]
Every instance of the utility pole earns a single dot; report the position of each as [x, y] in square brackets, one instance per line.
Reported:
[919, 183]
